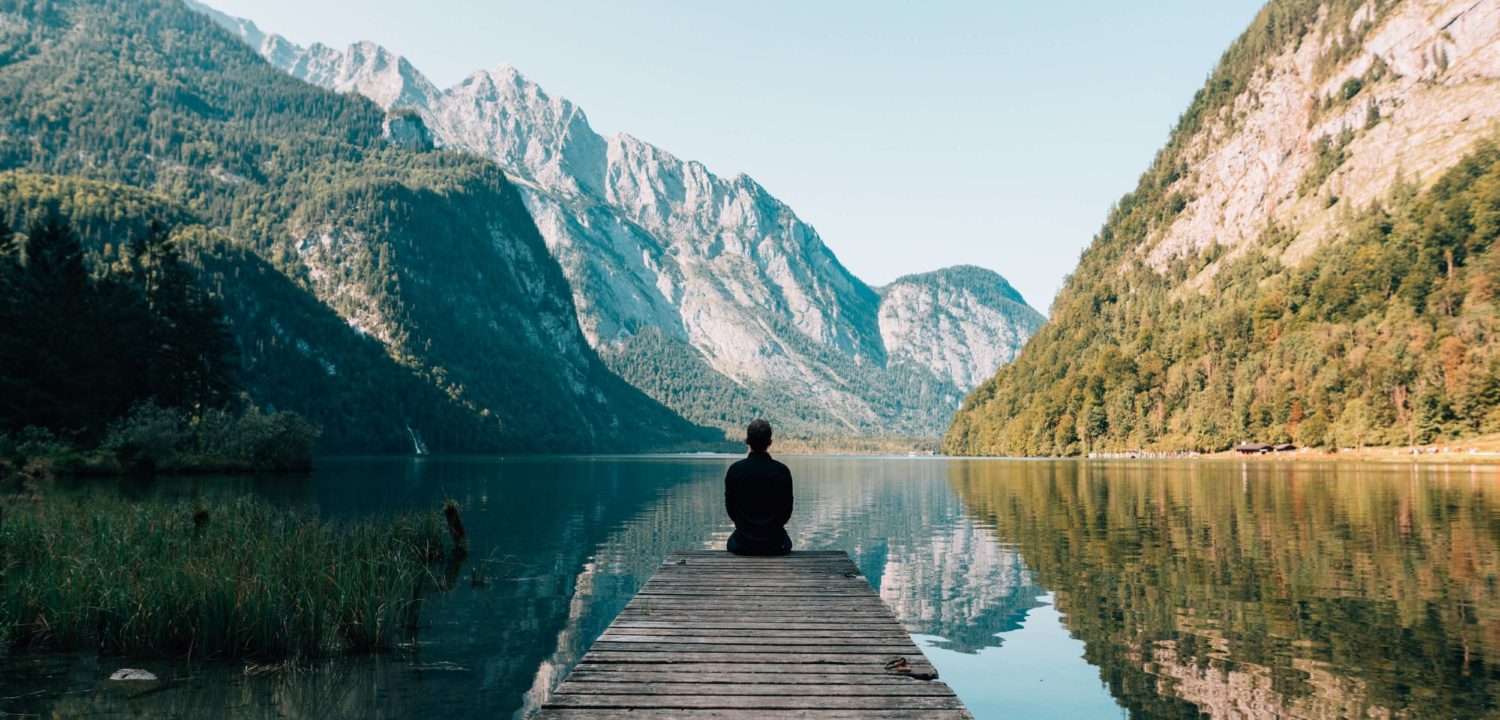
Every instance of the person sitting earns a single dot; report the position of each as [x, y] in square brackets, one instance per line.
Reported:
[758, 496]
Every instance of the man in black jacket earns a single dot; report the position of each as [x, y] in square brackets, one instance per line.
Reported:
[758, 495]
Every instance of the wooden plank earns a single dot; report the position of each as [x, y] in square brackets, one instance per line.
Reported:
[659, 634]
[851, 668]
[873, 660]
[642, 674]
[847, 586]
[690, 625]
[733, 591]
[784, 623]
[723, 604]
[732, 714]
[689, 617]
[580, 686]
[783, 645]
[714, 636]
[850, 586]
[756, 702]
[720, 555]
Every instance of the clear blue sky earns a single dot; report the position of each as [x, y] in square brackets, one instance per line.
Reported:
[911, 135]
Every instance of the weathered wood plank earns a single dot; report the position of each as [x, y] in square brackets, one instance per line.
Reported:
[858, 668]
[714, 636]
[757, 702]
[720, 555]
[642, 674]
[752, 624]
[720, 601]
[804, 658]
[810, 632]
[785, 645]
[761, 591]
[730, 714]
[730, 637]
[578, 686]
[763, 617]
[848, 586]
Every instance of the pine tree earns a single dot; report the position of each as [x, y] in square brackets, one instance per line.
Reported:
[52, 319]
[189, 345]
[11, 345]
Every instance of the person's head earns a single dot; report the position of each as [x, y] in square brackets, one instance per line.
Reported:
[758, 435]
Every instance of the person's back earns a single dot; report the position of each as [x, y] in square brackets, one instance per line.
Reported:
[758, 496]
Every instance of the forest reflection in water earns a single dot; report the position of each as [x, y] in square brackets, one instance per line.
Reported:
[1061, 588]
[1265, 590]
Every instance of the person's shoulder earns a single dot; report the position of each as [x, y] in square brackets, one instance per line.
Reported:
[781, 465]
[740, 464]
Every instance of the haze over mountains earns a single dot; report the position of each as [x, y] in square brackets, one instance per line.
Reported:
[706, 292]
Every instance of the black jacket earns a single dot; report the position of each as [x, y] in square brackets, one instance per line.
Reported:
[758, 496]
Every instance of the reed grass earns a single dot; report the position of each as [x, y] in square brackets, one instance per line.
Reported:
[234, 579]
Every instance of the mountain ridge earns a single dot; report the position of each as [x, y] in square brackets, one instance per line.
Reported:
[718, 265]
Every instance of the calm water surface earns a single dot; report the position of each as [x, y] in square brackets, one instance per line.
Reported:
[1040, 589]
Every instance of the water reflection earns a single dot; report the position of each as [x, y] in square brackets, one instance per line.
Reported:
[1049, 589]
[1258, 590]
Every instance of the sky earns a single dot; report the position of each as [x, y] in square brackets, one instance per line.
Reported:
[912, 136]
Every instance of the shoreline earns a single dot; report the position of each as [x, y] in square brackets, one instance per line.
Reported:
[1480, 450]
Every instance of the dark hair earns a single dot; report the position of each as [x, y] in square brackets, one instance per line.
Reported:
[758, 435]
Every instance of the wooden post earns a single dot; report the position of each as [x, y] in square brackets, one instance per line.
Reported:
[456, 528]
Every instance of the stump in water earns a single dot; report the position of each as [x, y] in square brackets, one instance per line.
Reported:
[200, 521]
[456, 528]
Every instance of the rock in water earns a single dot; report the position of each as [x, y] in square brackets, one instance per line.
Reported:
[132, 675]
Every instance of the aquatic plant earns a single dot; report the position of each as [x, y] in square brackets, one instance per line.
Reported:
[234, 579]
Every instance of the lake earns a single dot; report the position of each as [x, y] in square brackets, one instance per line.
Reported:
[1039, 589]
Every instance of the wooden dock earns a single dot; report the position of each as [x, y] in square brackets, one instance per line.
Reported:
[713, 635]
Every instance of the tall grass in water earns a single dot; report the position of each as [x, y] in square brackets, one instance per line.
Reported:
[241, 578]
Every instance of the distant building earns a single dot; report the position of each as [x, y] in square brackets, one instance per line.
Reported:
[1252, 448]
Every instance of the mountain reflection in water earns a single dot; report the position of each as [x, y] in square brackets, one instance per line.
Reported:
[1075, 589]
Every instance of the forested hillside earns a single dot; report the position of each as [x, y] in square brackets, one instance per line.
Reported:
[386, 292]
[1316, 268]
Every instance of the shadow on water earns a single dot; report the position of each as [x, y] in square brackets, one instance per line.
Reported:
[1171, 590]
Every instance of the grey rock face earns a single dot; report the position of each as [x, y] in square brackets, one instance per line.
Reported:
[962, 323]
[407, 130]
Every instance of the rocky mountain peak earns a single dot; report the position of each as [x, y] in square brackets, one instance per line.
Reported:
[718, 269]
[960, 321]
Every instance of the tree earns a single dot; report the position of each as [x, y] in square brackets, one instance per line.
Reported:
[1312, 432]
[189, 346]
[51, 382]
[1354, 424]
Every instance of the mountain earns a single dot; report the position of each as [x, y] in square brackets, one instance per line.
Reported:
[957, 322]
[1309, 259]
[398, 296]
[706, 292]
